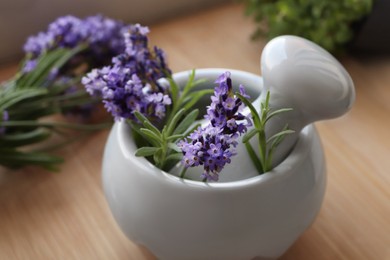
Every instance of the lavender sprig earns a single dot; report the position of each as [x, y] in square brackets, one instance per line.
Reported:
[131, 83]
[103, 36]
[48, 83]
[225, 109]
[213, 146]
[133, 88]
[93, 42]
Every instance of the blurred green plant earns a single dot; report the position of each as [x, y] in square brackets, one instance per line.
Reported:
[327, 23]
[44, 106]
[30, 97]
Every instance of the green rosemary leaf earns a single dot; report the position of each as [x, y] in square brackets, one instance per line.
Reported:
[175, 137]
[174, 147]
[172, 123]
[188, 85]
[16, 159]
[152, 128]
[174, 90]
[198, 82]
[32, 113]
[18, 95]
[26, 138]
[265, 109]
[255, 115]
[157, 156]
[147, 124]
[54, 59]
[267, 98]
[194, 97]
[278, 137]
[139, 138]
[44, 65]
[254, 158]
[56, 90]
[249, 135]
[146, 151]
[276, 112]
[49, 99]
[186, 122]
[74, 126]
[140, 117]
[69, 54]
[151, 136]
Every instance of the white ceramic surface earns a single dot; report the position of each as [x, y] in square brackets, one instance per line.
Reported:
[303, 76]
[181, 219]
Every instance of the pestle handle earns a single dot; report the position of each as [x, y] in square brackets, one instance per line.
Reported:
[303, 76]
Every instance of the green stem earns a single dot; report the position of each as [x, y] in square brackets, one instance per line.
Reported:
[254, 158]
[263, 149]
[268, 165]
[183, 172]
[163, 154]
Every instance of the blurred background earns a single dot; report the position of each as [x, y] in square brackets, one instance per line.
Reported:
[361, 26]
[21, 18]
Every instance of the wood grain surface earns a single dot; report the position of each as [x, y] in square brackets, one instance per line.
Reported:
[64, 215]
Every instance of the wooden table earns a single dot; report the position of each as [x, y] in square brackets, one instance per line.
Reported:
[64, 215]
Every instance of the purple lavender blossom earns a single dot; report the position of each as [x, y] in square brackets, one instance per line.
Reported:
[66, 31]
[103, 36]
[213, 146]
[210, 148]
[225, 109]
[132, 82]
[29, 66]
[5, 117]
[103, 39]
[35, 45]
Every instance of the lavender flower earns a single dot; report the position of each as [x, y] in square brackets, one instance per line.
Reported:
[213, 146]
[225, 109]
[29, 66]
[5, 117]
[103, 36]
[132, 82]
[148, 64]
[210, 148]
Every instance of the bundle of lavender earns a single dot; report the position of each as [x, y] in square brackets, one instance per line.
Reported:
[48, 83]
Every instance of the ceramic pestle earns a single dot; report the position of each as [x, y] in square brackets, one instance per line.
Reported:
[304, 77]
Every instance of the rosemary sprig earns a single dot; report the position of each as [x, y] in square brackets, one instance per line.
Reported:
[266, 145]
[29, 97]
